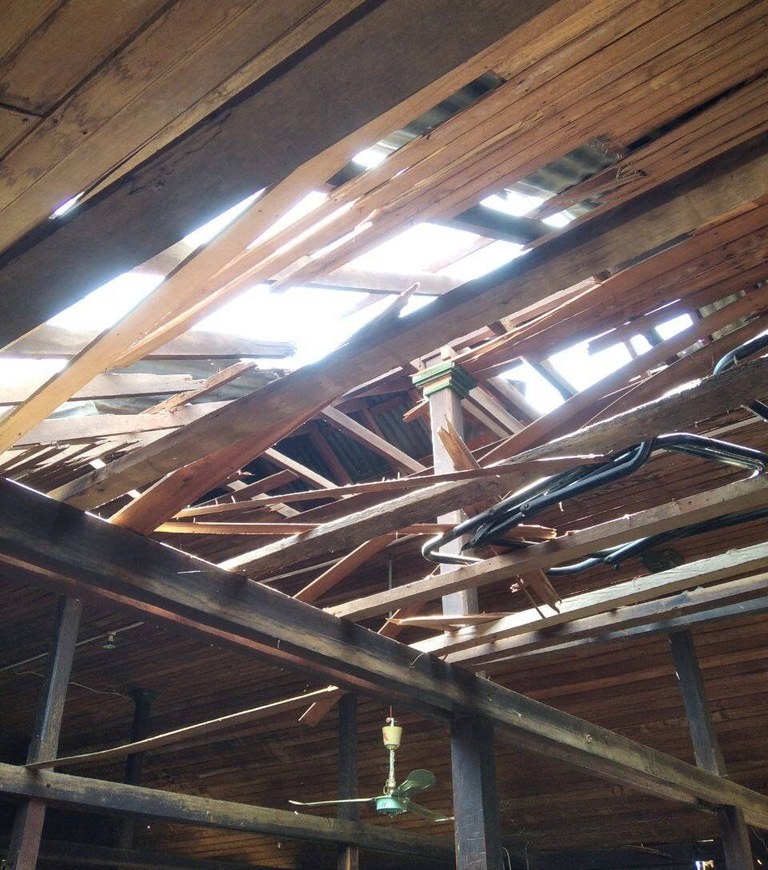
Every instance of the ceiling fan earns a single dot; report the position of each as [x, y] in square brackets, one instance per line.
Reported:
[396, 799]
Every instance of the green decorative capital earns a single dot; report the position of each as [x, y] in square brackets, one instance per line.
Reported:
[444, 376]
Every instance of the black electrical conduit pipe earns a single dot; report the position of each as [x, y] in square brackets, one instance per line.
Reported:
[490, 526]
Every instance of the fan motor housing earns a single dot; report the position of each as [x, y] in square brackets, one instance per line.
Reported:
[389, 806]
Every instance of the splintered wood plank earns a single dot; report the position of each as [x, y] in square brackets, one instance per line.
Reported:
[214, 382]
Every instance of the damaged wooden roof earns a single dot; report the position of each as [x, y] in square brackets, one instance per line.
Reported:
[637, 133]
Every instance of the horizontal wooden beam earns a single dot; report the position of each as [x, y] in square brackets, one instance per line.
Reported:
[79, 792]
[60, 853]
[107, 386]
[59, 544]
[713, 396]
[55, 342]
[731, 498]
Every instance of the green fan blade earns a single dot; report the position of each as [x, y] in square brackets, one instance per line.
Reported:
[426, 813]
[417, 781]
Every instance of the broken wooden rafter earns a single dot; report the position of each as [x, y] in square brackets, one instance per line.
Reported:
[633, 229]
[214, 382]
[710, 397]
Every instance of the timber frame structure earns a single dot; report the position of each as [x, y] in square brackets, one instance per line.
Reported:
[212, 576]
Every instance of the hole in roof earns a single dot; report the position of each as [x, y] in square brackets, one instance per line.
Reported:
[66, 206]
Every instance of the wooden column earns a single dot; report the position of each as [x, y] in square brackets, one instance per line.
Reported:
[142, 701]
[475, 802]
[348, 856]
[28, 823]
[445, 386]
[706, 748]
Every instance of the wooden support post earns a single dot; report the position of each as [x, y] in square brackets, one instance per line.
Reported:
[28, 823]
[348, 855]
[445, 386]
[475, 802]
[706, 748]
[142, 700]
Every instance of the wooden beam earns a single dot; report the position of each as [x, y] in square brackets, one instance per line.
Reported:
[61, 789]
[731, 498]
[371, 440]
[348, 856]
[477, 829]
[709, 398]
[106, 386]
[706, 747]
[28, 822]
[59, 544]
[56, 342]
